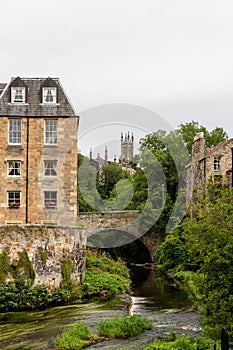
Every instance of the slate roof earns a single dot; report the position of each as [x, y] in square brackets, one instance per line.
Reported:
[218, 146]
[2, 87]
[33, 105]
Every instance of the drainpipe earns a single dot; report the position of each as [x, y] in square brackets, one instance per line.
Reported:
[26, 219]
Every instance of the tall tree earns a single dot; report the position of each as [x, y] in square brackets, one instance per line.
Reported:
[108, 177]
[190, 129]
[210, 240]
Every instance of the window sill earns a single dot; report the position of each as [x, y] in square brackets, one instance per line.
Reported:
[49, 104]
[18, 104]
[50, 146]
[50, 176]
[13, 208]
[50, 208]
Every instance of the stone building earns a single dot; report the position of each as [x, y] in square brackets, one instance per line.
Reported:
[209, 165]
[127, 148]
[38, 153]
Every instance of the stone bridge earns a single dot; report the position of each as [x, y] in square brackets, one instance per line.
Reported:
[125, 224]
[48, 247]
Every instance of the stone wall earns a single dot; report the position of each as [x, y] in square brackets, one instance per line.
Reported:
[119, 220]
[46, 246]
[203, 170]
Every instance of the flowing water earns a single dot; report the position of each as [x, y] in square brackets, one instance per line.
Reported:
[167, 306]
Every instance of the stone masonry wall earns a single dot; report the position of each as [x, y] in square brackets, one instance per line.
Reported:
[46, 246]
[119, 220]
[65, 183]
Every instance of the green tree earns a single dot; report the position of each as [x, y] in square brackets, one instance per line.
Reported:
[190, 129]
[160, 178]
[86, 183]
[107, 188]
[109, 175]
[216, 136]
[210, 240]
[173, 254]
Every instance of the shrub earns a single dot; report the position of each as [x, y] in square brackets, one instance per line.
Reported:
[94, 284]
[18, 295]
[98, 262]
[124, 327]
[76, 337]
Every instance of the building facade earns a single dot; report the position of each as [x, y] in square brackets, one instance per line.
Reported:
[38, 153]
[209, 165]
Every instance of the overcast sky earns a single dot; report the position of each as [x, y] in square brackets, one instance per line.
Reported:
[173, 57]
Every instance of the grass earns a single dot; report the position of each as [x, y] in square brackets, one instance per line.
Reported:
[76, 337]
[123, 327]
[184, 343]
[79, 336]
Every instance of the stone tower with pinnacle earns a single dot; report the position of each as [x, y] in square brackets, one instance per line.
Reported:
[127, 147]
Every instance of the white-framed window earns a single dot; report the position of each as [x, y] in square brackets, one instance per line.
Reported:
[217, 163]
[15, 131]
[50, 199]
[18, 95]
[50, 132]
[50, 168]
[13, 168]
[13, 199]
[49, 95]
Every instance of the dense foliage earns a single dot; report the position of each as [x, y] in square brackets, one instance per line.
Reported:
[98, 190]
[18, 296]
[173, 254]
[203, 244]
[102, 275]
[210, 240]
[105, 274]
[108, 177]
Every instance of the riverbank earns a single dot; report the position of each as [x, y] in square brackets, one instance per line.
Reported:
[166, 306]
[104, 278]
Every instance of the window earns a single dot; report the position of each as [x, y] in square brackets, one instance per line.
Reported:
[49, 95]
[15, 131]
[50, 168]
[50, 199]
[13, 168]
[50, 132]
[217, 163]
[13, 200]
[18, 94]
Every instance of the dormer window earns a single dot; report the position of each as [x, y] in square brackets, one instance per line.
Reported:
[49, 95]
[18, 95]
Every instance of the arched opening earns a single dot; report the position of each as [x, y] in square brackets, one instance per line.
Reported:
[121, 244]
[133, 252]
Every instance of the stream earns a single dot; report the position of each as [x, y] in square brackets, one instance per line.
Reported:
[167, 305]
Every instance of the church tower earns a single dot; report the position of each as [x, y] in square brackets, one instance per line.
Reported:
[127, 147]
